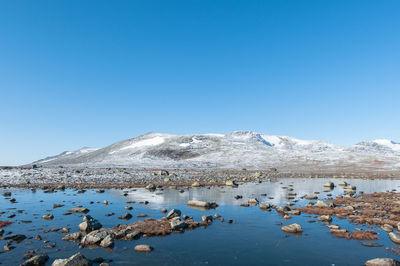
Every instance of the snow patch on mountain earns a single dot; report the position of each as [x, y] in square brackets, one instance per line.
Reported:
[238, 149]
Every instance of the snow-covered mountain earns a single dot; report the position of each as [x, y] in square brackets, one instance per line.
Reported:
[238, 149]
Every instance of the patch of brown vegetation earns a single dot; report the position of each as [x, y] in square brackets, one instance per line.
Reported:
[373, 209]
[151, 227]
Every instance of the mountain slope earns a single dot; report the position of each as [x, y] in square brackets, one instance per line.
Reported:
[238, 149]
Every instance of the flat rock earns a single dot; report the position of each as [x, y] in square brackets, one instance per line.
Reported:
[143, 248]
[382, 262]
[79, 210]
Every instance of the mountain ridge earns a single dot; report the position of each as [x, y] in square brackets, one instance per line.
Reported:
[237, 149]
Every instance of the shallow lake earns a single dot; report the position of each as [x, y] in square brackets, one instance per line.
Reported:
[254, 238]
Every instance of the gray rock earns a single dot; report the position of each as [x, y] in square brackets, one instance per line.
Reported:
[292, 228]
[38, 260]
[329, 185]
[207, 218]
[174, 213]
[265, 206]
[201, 204]
[311, 197]
[196, 184]
[387, 228]
[76, 260]
[89, 224]
[283, 209]
[177, 224]
[48, 216]
[324, 204]
[107, 242]
[395, 237]
[253, 201]
[151, 187]
[73, 237]
[134, 235]
[94, 237]
[325, 218]
[382, 262]
[231, 183]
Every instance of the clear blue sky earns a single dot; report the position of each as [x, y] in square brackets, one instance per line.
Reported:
[90, 73]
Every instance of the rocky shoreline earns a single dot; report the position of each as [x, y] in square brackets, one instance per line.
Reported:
[37, 177]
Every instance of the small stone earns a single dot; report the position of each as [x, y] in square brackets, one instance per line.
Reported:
[143, 248]
[126, 216]
[48, 216]
[325, 218]
[293, 228]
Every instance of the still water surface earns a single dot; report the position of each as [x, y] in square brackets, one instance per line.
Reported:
[253, 238]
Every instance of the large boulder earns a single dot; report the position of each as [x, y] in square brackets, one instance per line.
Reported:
[94, 238]
[75, 260]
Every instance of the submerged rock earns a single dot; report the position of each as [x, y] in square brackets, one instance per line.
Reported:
[126, 216]
[79, 210]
